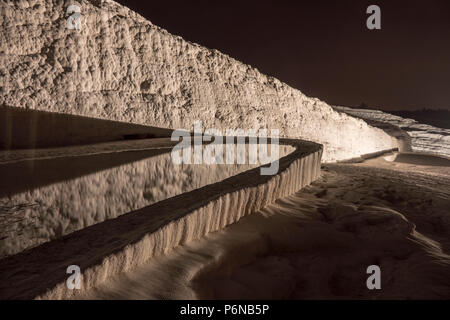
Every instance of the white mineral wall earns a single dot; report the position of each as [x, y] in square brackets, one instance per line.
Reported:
[119, 66]
[215, 215]
[424, 137]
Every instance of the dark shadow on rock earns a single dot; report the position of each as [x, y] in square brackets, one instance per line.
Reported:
[30, 129]
[422, 159]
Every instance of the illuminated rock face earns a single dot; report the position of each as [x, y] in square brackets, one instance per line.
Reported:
[119, 66]
[422, 137]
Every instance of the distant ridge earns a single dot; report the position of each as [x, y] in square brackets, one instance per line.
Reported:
[435, 117]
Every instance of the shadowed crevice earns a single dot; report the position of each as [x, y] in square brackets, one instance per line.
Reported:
[31, 129]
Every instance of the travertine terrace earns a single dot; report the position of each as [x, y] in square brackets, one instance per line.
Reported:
[118, 245]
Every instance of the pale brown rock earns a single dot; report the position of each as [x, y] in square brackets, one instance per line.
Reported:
[121, 67]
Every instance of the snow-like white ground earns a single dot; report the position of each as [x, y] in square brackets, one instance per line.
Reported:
[424, 138]
[317, 243]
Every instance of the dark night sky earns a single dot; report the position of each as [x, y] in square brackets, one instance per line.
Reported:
[323, 48]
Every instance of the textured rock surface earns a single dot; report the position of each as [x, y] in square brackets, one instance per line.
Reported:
[422, 137]
[121, 67]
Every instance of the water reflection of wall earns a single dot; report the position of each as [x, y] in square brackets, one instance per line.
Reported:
[36, 216]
